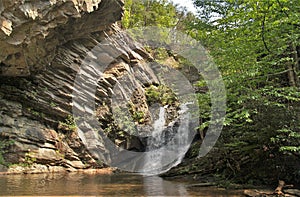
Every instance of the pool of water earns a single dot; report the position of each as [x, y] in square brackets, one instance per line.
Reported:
[79, 184]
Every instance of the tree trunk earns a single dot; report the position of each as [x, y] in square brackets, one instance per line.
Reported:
[292, 76]
[293, 69]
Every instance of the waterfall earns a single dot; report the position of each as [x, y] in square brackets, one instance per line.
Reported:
[156, 137]
[160, 122]
[167, 144]
[153, 156]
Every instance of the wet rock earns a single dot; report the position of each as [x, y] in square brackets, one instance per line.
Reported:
[135, 144]
[98, 171]
[3, 168]
[34, 169]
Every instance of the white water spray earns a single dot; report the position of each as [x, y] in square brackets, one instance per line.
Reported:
[160, 148]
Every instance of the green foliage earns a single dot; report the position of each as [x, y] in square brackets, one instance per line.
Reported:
[152, 93]
[122, 121]
[69, 124]
[141, 13]
[160, 13]
[204, 108]
[253, 42]
[35, 113]
[160, 94]
[256, 45]
[288, 139]
[138, 116]
[52, 104]
[161, 54]
[4, 144]
[29, 159]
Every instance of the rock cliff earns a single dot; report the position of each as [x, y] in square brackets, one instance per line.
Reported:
[43, 44]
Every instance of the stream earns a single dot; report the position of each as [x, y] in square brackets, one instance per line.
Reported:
[120, 184]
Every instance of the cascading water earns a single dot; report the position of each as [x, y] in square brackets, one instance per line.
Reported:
[167, 143]
[153, 158]
[159, 124]
[156, 137]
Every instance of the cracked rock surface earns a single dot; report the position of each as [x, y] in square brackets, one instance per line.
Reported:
[42, 46]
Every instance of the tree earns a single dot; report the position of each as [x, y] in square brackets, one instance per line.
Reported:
[269, 28]
[149, 13]
[256, 45]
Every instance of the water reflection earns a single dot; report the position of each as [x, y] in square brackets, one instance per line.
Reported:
[99, 185]
[156, 186]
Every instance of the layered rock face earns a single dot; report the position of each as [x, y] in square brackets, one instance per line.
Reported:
[43, 44]
[31, 31]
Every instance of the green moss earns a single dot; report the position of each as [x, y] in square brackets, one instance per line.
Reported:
[69, 124]
[4, 144]
[29, 159]
[52, 104]
[60, 154]
[36, 113]
[138, 116]
[160, 94]
[161, 54]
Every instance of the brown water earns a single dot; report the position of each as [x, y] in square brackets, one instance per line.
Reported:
[77, 184]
